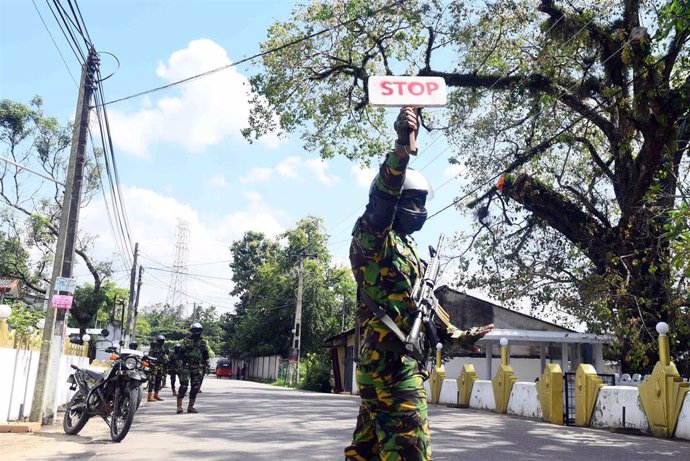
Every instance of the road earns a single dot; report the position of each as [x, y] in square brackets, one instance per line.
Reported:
[243, 420]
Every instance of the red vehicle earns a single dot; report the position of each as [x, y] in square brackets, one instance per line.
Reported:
[224, 368]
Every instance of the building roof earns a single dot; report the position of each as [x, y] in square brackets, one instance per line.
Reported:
[534, 336]
[8, 284]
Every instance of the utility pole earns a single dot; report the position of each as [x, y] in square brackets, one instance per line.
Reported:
[44, 405]
[297, 330]
[136, 305]
[342, 323]
[130, 305]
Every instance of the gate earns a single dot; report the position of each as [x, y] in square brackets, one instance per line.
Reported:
[569, 394]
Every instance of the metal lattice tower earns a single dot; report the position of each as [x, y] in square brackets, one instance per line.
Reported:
[177, 290]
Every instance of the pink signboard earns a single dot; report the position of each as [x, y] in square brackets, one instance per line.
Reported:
[61, 302]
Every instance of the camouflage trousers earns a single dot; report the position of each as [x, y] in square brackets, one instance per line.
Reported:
[187, 374]
[155, 379]
[392, 424]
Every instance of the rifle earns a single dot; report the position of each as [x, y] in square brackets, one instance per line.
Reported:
[429, 313]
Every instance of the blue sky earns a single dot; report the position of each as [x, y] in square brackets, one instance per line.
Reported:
[179, 151]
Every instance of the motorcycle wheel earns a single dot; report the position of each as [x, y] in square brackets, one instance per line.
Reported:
[123, 414]
[75, 419]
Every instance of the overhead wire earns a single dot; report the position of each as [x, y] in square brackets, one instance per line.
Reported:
[55, 43]
[257, 55]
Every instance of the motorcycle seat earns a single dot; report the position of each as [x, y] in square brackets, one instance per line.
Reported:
[94, 374]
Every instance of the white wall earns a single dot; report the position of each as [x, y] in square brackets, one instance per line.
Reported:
[524, 401]
[18, 390]
[683, 427]
[615, 401]
[525, 369]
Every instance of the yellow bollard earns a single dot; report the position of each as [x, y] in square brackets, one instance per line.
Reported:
[465, 384]
[587, 385]
[439, 374]
[663, 393]
[550, 390]
[503, 382]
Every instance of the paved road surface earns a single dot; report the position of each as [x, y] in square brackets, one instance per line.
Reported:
[247, 421]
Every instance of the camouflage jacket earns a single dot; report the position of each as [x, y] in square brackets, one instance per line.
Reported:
[160, 354]
[194, 352]
[385, 264]
[174, 361]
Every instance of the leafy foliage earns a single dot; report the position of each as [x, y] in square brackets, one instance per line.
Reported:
[266, 285]
[579, 109]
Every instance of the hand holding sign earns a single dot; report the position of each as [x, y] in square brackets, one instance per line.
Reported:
[391, 91]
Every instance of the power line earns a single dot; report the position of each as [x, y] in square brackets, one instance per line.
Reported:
[257, 55]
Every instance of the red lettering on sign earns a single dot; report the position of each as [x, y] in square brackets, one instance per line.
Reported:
[413, 88]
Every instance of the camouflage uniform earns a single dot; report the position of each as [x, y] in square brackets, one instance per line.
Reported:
[158, 367]
[192, 365]
[174, 363]
[392, 422]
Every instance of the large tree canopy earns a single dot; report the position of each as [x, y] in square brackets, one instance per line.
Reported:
[578, 110]
[31, 205]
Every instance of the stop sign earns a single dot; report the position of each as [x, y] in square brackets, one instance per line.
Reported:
[392, 91]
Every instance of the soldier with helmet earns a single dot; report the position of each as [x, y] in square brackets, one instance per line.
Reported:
[194, 357]
[393, 417]
[159, 353]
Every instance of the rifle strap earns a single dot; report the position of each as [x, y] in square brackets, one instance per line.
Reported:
[385, 318]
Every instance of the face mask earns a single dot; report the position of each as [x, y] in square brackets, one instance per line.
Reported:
[410, 214]
[408, 221]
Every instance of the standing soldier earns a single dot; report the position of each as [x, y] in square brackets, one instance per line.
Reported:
[173, 366]
[158, 368]
[194, 357]
[393, 419]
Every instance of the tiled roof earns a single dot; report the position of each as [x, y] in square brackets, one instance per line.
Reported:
[7, 284]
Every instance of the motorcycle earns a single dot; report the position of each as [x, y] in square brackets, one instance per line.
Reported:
[113, 395]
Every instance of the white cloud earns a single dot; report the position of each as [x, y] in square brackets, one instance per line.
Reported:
[288, 167]
[219, 180]
[291, 168]
[454, 170]
[363, 175]
[319, 168]
[204, 112]
[257, 175]
[153, 220]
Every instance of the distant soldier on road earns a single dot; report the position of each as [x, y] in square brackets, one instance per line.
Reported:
[158, 352]
[194, 357]
[174, 365]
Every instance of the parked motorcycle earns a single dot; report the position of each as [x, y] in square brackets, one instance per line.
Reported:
[113, 395]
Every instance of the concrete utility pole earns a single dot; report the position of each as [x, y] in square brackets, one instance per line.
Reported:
[130, 305]
[297, 330]
[44, 404]
[136, 306]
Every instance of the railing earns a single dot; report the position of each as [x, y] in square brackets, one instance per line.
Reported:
[569, 394]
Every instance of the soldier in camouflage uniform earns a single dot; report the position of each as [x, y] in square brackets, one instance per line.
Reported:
[193, 361]
[392, 424]
[158, 352]
[173, 363]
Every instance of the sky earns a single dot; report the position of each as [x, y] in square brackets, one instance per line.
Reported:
[179, 151]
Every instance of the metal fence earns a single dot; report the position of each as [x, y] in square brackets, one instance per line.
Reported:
[569, 394]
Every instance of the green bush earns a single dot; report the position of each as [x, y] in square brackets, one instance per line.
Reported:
[317, 376]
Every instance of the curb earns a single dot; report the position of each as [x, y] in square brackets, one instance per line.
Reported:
[19, 427]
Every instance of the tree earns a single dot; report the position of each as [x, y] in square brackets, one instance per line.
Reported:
[266, 285]
[576, 111]
[30, 206]
[91, 305]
